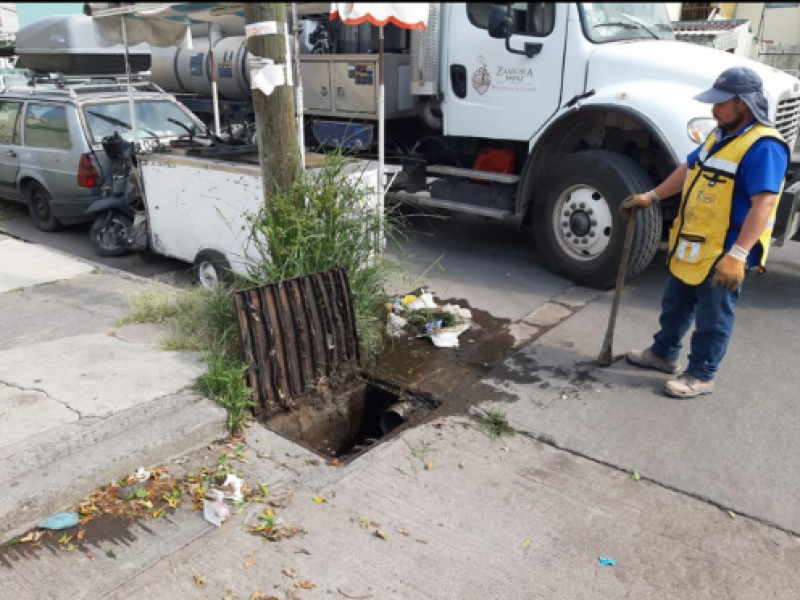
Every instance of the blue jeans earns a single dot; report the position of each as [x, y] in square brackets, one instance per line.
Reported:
[712, 311]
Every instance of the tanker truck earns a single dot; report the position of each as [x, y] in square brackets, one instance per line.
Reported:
[548, 114]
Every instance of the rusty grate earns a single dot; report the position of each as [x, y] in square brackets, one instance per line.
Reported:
[296, 335]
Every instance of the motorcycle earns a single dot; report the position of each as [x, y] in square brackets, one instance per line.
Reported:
[121, 225]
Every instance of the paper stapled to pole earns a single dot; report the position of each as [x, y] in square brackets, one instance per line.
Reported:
[268, 77]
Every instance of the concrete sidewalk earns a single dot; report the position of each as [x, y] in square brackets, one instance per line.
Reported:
[511, 519]
[77, 404]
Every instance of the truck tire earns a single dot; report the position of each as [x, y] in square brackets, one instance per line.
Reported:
[211, 269]
[578, 230]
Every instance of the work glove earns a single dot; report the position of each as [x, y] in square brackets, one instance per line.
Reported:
[634, 203]
[729, 273]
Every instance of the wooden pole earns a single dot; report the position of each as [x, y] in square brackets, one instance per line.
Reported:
[275, 114]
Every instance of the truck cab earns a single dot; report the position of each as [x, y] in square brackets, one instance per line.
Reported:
[573, 106]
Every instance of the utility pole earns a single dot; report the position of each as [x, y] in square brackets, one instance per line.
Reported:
[275, 114]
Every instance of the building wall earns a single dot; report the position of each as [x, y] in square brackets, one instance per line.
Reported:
[781, 25]
[674, 10]
[9, 22]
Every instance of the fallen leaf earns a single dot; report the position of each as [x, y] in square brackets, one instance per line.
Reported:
[730, 512]
[320, 499]
[229, 596]
[65, 539]
[251, 560]
[199, 582]
[635, 476]
[303, 585]
[526, 544]
[403, 532]
[335, 463]
[110, 554]
[90, 556]
[381, 534]
[290, 573]
[33, 536]
[81, 533]
[302, 551]
[264, 489]
[429, 466]
[261, 596]
[158, 513]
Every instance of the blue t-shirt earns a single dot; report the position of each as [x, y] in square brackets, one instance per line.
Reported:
[762, 169]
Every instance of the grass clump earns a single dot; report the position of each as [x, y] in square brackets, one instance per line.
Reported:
[224, 380]
[494, 424]
[197, 319]
[202, 320]
[321, 222]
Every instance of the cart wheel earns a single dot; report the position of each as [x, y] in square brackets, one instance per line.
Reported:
[212, 269]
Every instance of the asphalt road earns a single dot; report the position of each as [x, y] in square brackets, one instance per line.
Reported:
[75, 242]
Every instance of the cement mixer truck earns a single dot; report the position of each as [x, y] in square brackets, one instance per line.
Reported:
[545, 113]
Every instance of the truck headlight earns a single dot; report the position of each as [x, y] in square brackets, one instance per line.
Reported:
[700, 129]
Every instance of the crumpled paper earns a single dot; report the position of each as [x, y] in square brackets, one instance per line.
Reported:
[268, 77]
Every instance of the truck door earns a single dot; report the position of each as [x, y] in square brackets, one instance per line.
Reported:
[494, 93]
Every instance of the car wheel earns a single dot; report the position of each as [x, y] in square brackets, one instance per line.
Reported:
[106, 234]
[212, 269]
[579, 232]
[41, 208]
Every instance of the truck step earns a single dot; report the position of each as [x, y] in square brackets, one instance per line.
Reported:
[482, 211]
[473, 174]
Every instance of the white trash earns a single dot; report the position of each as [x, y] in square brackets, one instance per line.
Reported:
[395, 326]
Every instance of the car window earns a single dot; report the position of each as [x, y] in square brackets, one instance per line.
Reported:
[9, 122]
[46, 126]
[529, 18]
[154, 119]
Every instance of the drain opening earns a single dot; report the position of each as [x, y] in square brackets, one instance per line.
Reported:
[351, 420]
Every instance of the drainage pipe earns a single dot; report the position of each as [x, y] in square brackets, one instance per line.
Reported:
[395, 416]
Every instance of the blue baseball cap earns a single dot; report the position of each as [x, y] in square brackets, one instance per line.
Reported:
[744, 83]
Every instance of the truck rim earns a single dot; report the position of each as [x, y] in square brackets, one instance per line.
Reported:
[583, 222]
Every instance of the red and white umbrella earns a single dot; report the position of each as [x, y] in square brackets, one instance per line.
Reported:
[401, 14]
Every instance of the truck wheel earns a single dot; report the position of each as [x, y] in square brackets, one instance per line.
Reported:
[106, 237]
[212, 269]
[578, 230]
[41, 207]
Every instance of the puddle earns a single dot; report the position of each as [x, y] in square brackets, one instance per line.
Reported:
[447, 373]
[99, 536]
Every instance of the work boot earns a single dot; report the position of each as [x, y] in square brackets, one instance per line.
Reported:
[648, 360]
[686, 386]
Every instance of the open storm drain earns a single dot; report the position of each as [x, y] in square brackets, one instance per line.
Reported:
[300, 345]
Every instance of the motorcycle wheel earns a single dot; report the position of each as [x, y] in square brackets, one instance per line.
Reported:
[105, 234]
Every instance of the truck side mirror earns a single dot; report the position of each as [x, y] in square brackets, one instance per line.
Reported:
[498, 23]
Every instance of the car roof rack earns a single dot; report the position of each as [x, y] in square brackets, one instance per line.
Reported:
[75, 85]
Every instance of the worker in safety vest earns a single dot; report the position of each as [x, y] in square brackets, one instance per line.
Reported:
[731, 185]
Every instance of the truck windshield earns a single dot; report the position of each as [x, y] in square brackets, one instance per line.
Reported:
[616, 21]
[154, 118]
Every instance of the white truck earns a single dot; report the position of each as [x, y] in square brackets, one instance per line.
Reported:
[549, 113]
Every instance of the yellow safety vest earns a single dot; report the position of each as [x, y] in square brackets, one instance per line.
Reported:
[697, 237]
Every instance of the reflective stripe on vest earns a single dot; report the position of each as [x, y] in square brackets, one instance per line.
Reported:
[697, 237]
